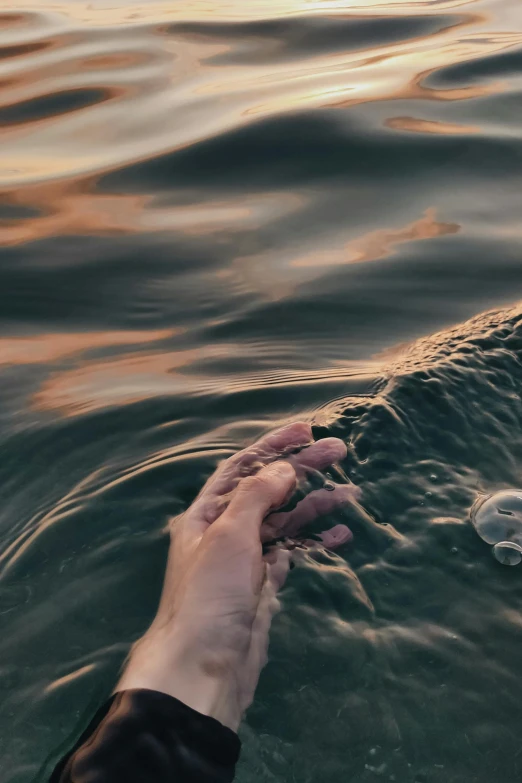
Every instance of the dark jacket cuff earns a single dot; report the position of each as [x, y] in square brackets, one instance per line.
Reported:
[142, 735]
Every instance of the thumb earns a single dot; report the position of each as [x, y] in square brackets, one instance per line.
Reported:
[256, 495]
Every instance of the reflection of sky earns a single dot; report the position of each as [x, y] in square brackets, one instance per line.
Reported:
[158, 87]
[44, 348]
[88, 89]
[276, 275]
[92, 384]
[76, 207]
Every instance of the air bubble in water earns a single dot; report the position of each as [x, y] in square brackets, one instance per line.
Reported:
[498, 521]
[508, 553]
[499, 517]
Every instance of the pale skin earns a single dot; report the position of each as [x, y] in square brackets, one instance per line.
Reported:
[209, 639]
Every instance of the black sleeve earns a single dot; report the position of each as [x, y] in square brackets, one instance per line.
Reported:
[142, 736]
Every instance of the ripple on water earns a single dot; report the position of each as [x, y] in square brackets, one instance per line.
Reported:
[214, 217]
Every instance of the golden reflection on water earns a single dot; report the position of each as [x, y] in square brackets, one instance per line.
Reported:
[381, 243]
[95, 385]
[117, 12]
[155, 88]
[44, 348]
[78, 208]
[431, 126]
[68, 678]
[121, 381]
[278, 276]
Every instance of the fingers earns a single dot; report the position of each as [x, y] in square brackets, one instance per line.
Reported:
[265, 450]
[314, 505]
[314, 456]
[319, 455]
[278, 444]
[256, 495]
[336, 536]
[293, 435]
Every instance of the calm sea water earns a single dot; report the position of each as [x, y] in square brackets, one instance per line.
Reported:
[219, 215]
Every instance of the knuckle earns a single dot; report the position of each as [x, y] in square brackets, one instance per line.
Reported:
[174, 524]
[255, 484]
[234, 460]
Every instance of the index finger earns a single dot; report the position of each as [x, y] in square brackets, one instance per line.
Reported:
[273, 445]
[256, 495]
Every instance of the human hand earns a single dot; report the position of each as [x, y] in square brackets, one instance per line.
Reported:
[208, 642]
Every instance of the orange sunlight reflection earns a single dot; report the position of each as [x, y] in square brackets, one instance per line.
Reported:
[278, 277]
[43, 348]
[77, 208]
[68, 678]
[138, 376]
[430, 126]
[93, 385]
[381, 243]
[161, 88]
[133, 11]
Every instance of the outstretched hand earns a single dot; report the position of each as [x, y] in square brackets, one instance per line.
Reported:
[208, 642]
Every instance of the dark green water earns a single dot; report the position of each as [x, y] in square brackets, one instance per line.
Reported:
[217, 216]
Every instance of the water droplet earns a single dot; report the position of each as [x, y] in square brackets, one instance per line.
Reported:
[454, 550]
[329, 486]
[433, 477]
[508, 553]
[429, 494]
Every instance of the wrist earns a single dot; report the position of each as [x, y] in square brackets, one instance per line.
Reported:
[165, 661]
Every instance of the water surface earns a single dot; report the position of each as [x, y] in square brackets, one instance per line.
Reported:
[216, 216]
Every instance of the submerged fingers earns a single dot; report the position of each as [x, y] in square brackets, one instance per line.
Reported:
[267, 449]
[314, 456]
[319, 455]
[256, 495]
[281, 444]
[316, 504]
[336, 536]
[292, 443]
